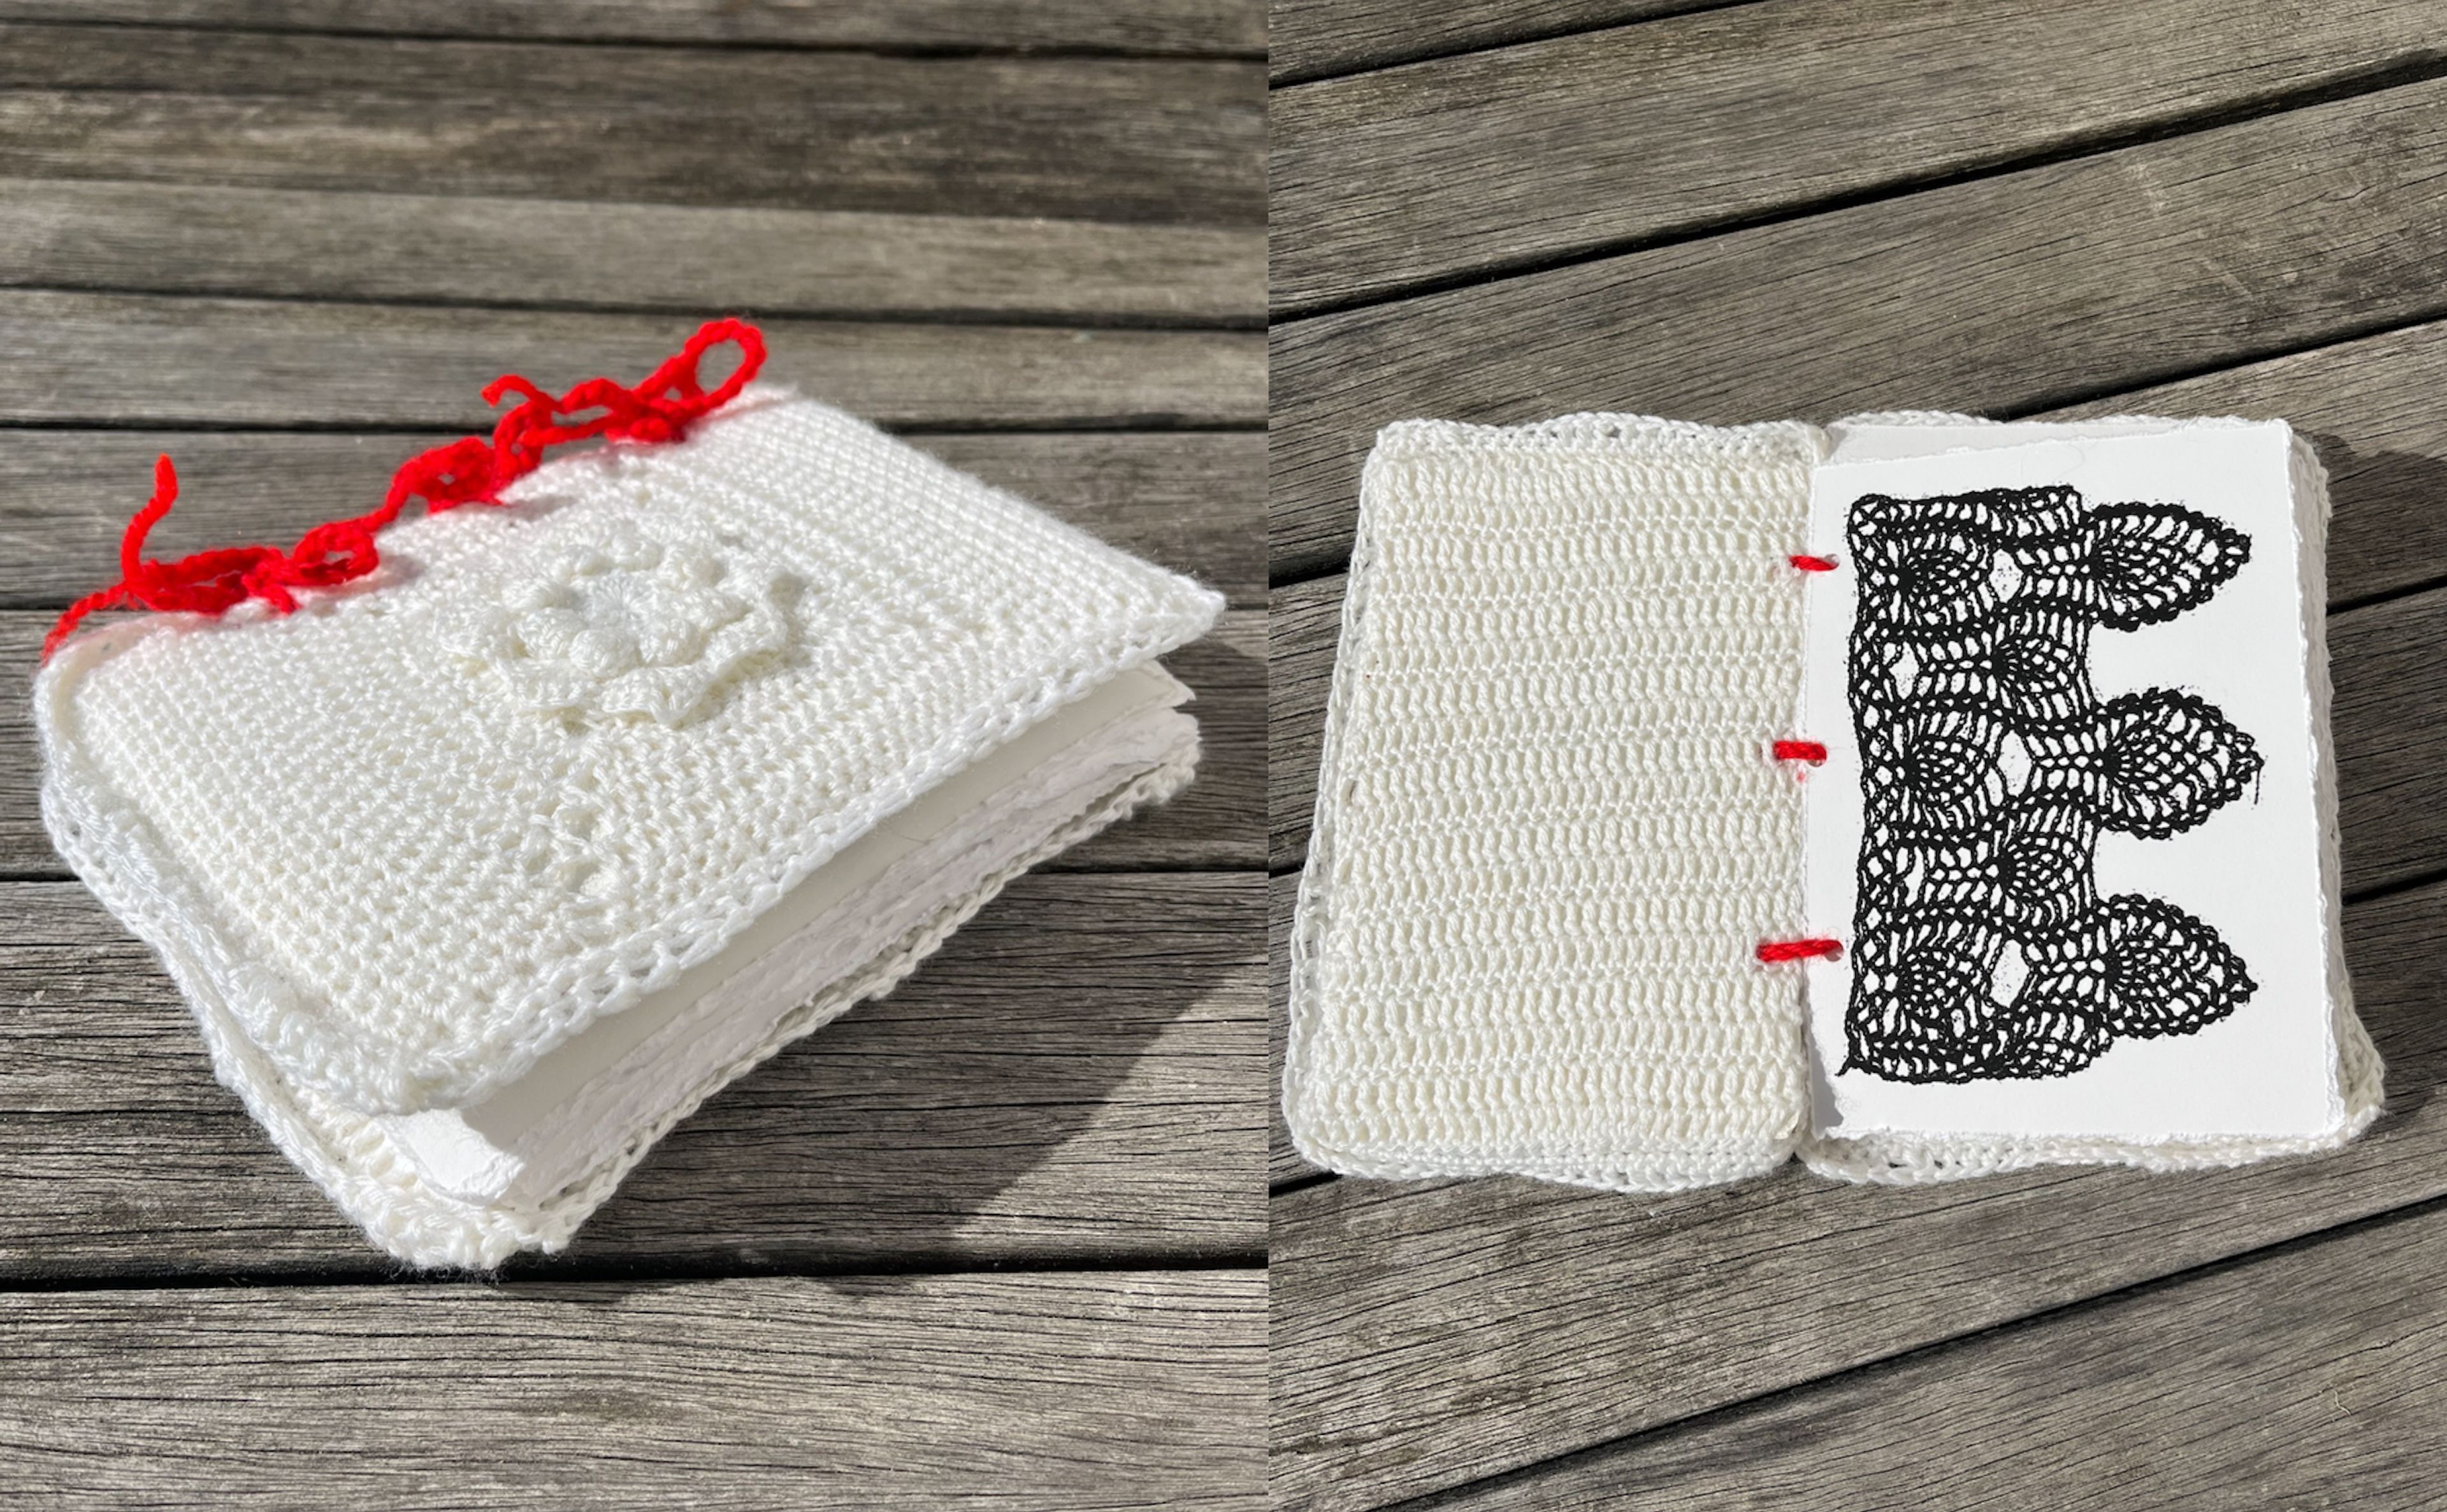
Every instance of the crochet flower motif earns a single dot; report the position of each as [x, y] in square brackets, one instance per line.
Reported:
[628, 625]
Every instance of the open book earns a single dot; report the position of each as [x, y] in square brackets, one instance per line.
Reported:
[1918, 796]
[481, 870]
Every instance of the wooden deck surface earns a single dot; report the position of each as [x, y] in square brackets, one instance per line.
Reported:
[996, 1239]
[1795, 208]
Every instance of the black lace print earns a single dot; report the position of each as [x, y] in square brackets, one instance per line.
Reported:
[1981, 948]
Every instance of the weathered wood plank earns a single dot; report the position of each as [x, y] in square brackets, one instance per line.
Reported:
[1303, 631]
[1080, 1073]
[2389, 660]
[179, 239]
[1460, 166]
[1218, 821]
[1104, 1390]
[1282, 892]
[1188, 500]
[1428, 1335]
[1999, 296]
[1192, 26]
[146, 360]
[1317, 39]
[2334, 1393]
[1075, 138]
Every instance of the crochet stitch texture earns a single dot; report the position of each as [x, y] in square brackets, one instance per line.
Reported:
[1550, 833]
[400, 844]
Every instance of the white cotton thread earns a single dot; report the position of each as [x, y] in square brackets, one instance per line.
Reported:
[1548, 835]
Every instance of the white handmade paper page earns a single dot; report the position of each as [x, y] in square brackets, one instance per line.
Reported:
[2067, 831]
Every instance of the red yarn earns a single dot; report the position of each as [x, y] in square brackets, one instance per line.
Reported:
[1800, 750]
[1774, 951]
[469, 470]
[1813, 564]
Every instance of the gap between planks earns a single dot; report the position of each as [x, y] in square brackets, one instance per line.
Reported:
[1313, 42]
[481, 250]
[1031, 29]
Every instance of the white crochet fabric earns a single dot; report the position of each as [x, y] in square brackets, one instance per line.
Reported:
[401, 844]
[1548, 832]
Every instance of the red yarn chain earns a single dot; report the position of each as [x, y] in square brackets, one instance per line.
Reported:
[466, 471]
[1776, 950]
[1800, 750]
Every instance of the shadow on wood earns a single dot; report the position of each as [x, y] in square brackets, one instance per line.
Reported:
[2386, 517]
[945, 1097]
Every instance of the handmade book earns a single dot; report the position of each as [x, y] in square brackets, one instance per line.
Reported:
[1918, 796]
[485, 845]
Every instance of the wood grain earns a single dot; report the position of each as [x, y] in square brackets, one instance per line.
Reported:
[1317, 39]
[1462, 166]
[1188, 500]
[1075, 138]
[1218, 821]
[477, 250]
[2311, 1377]
[2000, 296]
[1078, 1074]
[79, 359]
[1190, 27]
[1055, 1391]
[1428, 1335]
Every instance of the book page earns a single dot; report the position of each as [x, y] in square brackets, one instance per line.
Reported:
[2067, 829]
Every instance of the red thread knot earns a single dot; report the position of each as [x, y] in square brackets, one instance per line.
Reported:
[1813, 565]
[1800, 750]
[1775, 951]
[469, 470]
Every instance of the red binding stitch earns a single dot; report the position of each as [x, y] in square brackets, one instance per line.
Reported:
[1775, 951]
[466, 471]
[1813, 564]
[1800, 750]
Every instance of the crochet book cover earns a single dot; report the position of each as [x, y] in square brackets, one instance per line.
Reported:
[1224, 755]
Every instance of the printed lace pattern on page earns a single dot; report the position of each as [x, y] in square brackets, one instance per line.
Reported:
[1982, 948]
